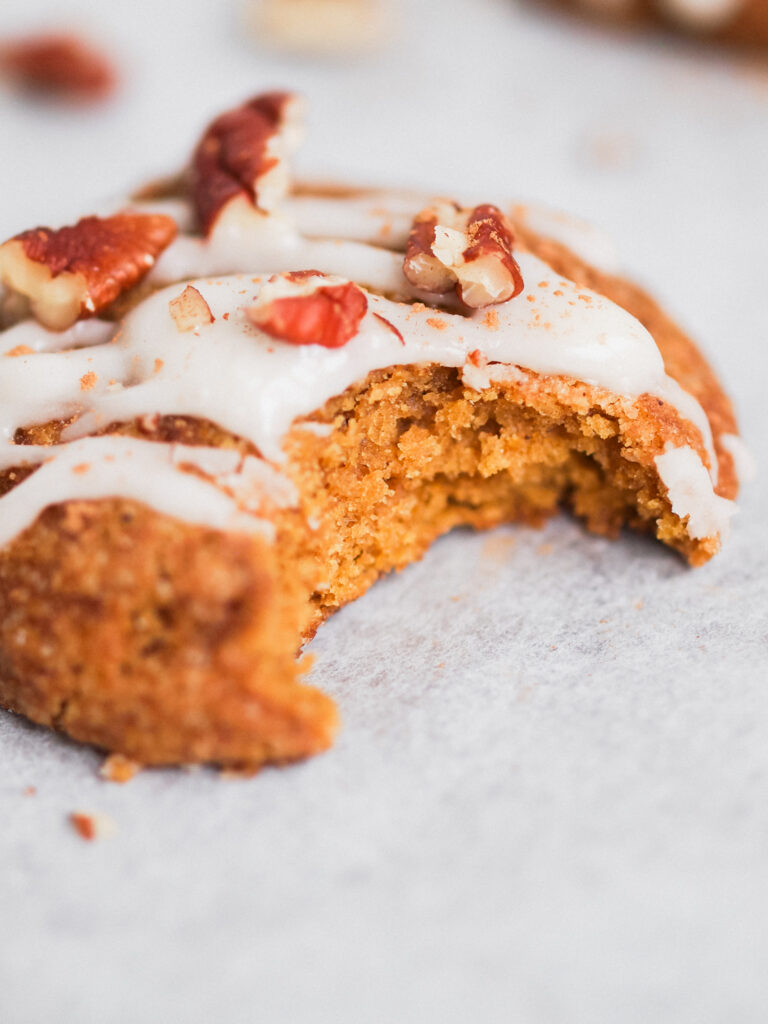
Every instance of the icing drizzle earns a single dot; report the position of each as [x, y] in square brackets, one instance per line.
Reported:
[255, 386]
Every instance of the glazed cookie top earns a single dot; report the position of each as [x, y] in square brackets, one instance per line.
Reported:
[250, 304]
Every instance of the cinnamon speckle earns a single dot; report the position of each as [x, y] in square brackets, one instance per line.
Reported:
[88, 381]
[437, 323]
[491, 320]
[81, 468]
[20, 350]
[159, 364]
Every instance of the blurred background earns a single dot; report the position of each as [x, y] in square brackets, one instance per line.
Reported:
[607, 862]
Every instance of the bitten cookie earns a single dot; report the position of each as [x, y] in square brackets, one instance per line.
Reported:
[232, 405]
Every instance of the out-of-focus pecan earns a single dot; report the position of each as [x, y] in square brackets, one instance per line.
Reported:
[61, 66]
[466, 249]
[76, 271]
[309, 308]
[244, 153]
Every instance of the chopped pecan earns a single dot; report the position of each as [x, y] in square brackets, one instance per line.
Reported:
[243, 154]
[57, 65]
[469, 250]
[74, 272]
[309, 308]
[190, 310]
[92, 826]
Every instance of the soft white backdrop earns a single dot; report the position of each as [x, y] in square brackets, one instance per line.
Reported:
[549, 802]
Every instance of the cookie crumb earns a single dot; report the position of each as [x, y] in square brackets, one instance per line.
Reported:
[238, 774]
[92, 826]
[119, 768]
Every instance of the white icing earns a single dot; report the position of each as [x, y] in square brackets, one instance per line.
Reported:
[145, 471]
[743, 461]
[32, 335]
[690, 493]
[233, 374]
[318, 429]
[482, 377]
[243, 238]
[379, 218]
[255, 386]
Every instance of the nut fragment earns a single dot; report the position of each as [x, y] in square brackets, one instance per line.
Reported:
[119, 768]
[309, 308]
[57, 65]
[318, 26]
[190, 310]
[470, 250]
[74, 272]
[92, 826]
[244, 153]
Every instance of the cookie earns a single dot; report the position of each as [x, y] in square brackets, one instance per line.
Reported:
[233, 405]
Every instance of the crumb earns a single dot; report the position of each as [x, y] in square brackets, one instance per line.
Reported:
[92, 826]
[118, 768]
[306, 663]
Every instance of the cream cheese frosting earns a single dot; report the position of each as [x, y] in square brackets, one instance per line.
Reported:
[232, 373]
[226, 496]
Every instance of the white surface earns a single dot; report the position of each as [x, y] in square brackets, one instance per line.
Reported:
[549, 799]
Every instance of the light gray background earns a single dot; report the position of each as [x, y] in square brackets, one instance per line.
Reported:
[549, 801]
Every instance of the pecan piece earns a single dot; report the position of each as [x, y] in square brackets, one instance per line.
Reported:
[243, 153]
[469, 250]
[190, 310]
[92, 826]
[309, 308]
[74, 272]
[62, 66]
